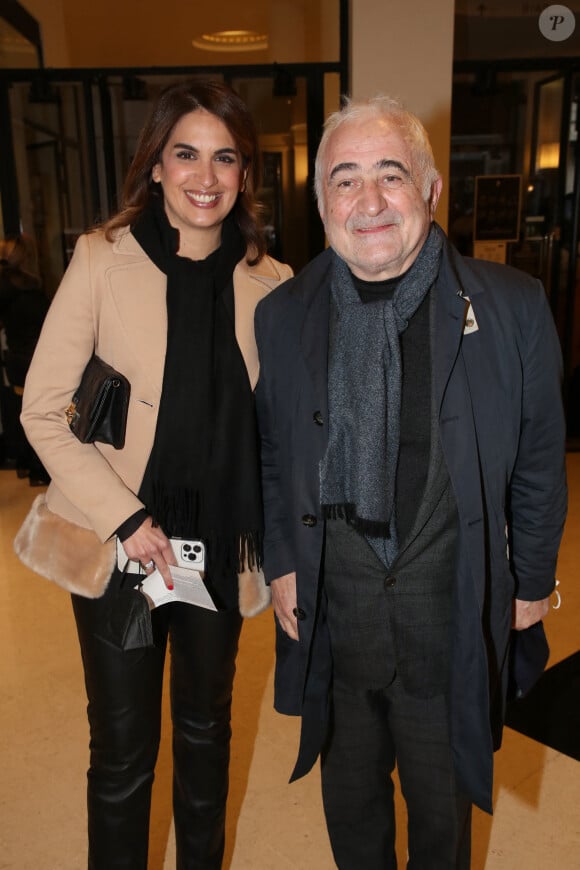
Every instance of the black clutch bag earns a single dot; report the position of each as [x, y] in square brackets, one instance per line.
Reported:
[98, 410]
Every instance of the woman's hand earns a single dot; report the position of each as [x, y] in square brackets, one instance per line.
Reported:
[151, 547]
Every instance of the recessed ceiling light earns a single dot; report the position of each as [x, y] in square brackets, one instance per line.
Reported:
[232, 40]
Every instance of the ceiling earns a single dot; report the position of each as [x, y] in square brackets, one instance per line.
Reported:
[297, 31]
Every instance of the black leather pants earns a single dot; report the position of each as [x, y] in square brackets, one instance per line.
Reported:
[124, 710]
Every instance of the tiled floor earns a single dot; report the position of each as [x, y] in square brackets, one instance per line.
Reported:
[272, 826]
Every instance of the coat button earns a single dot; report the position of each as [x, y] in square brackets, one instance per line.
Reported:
[299, 613]
[317, 417]
[309, 520]
[390, 582]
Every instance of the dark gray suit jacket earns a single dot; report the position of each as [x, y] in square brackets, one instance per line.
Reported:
[498, 402]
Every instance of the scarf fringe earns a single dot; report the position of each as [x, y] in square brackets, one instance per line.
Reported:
[236, 554]
[175, 509]
[251, 551]
[178, 512]
[368, 528]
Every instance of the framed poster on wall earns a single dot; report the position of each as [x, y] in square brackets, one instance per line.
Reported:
[497, 208]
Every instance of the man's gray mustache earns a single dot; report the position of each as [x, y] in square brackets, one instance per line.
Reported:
[358, 224]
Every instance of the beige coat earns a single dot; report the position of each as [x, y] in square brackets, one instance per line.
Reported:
[112, 299]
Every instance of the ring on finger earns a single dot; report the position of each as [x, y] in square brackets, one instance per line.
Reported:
[149, 564]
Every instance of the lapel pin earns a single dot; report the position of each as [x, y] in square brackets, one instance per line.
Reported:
[470, 324]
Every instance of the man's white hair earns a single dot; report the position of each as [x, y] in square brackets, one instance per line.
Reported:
[392, 110]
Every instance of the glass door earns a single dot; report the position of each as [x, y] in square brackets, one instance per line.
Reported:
[552, 207]
[46, 161]
[568, 264]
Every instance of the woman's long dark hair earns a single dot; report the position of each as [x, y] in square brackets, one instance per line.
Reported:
[173, 103]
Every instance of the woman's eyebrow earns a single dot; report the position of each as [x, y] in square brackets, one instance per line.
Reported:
[186, 147]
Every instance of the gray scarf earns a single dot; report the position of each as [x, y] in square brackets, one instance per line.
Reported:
[358, 472]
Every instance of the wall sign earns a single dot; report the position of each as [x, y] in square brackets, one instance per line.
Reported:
[497, 208]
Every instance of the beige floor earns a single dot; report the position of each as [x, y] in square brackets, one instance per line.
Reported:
[272, 826]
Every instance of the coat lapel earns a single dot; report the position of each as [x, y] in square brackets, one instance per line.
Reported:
[138, 291]
[454, 402]
[469, 694]
[446, 319]
[450, 311]
[251, 284]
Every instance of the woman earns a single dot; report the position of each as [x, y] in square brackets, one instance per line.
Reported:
[165, 293]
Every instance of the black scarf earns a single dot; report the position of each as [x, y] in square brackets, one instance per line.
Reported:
[358, 472]
[202, 478]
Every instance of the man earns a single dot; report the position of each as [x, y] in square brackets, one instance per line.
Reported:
[414, 490]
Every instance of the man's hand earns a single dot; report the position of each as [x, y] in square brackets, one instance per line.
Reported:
[151, 547]
[284, 603]
[527, 613]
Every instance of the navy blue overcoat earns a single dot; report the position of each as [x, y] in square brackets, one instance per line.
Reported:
[496, 381]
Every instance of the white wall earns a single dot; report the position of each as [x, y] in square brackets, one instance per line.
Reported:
[404, 48]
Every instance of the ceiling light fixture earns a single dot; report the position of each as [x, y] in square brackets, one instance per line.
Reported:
[232, 40]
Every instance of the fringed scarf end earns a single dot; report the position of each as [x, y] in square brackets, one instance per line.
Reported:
[368, 528]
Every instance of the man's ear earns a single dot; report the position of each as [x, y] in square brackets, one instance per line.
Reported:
[436, 189]
[320, 204]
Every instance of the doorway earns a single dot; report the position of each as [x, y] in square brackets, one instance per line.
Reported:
[554, 188]
[521, 119]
